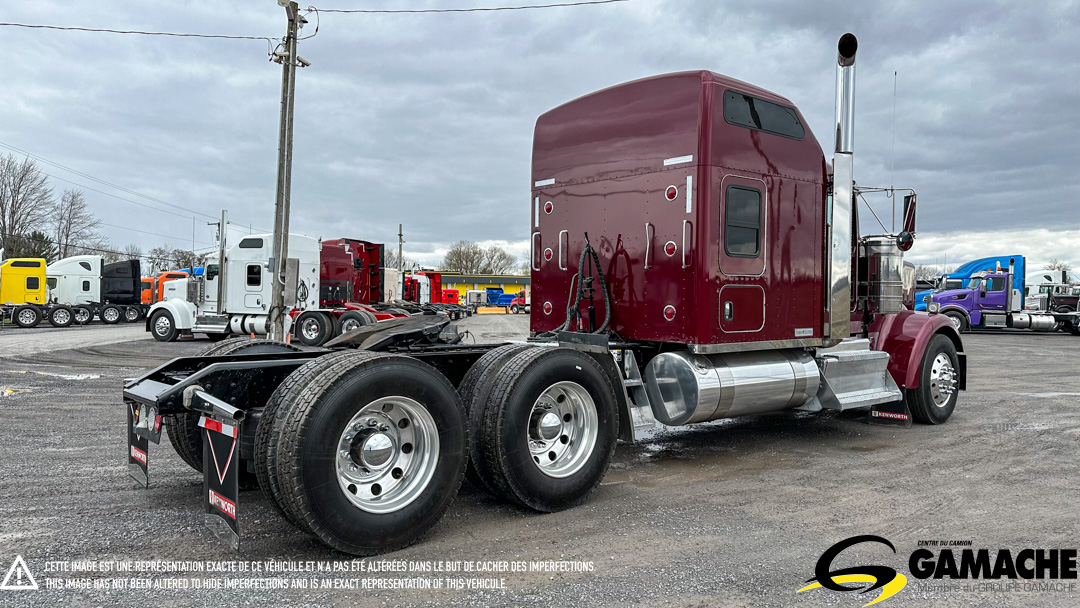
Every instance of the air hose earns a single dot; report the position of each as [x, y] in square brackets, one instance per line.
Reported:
[572, 307]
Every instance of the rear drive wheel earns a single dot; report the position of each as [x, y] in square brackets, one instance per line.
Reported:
[958, 320]
[163, 326]
[352, 321]
[131, 314]
[314, 328]
[61, 316]
[933, 401]
[83, 315]
[550, 428]
[111, 314]
[475, 392]
[183, 429]
[372, 450]
[27, 316]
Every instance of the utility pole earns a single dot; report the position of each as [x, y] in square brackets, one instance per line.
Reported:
[288, 60]
[400, 263]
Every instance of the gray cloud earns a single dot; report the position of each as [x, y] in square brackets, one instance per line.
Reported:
[427, 120]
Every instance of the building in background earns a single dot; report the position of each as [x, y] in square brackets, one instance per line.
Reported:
[463, 283]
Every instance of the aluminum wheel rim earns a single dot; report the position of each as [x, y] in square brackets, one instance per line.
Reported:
[955, 321]
[350, 325]
[162, 326]
[387, 454]
[942, 380]
[26, 317]
[82, 315]
[310, 328]
[131, 314]
[62, 317]
[562, 429]
[111, 314]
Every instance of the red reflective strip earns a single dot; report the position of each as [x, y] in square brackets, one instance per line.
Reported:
[213, 425]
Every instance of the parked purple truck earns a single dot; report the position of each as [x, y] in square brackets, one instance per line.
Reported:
[991, 301]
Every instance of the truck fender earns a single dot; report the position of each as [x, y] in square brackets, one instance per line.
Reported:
[182, 311]
[905, 336]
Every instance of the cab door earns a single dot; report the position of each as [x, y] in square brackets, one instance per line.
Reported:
[994, 293]
[743, 247]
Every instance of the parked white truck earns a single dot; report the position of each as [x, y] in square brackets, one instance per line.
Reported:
[193, 305]
[85, 286]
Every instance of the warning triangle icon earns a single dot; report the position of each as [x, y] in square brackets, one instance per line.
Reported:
[19, 577]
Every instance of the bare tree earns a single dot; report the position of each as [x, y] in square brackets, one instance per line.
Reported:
[497, 261]
[25, 198]
[390, 259]
[160, 258]
[464, 257]
[187, 259]
[1056, 264]
[72, 222]
[97, 245]
[132, 252]
[525, 265]
[927, 273]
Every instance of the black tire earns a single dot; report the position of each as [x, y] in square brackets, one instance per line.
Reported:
[163, 326]
[268, 433]
[314, 328]
[183, 429]
[316, 410]
[352, 320]
[920, 400]
[1072, 328]
[132, 314]
[61, 316]
[111, 315]
[475, 391]
[958, 320]
[217, 337]
[505, 444]
[26, 316]
[83, 315]
[514, 309]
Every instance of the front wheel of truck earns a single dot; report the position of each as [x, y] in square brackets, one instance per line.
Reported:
[958, 320]
[933, 401]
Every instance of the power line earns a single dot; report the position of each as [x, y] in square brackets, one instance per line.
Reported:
[470, 10]
[139, 32]
[186, 217]
[164, 236]
[100, 181]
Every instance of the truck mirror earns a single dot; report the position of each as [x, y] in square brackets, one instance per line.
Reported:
[982, 287]
[909, 212]
[905, 240]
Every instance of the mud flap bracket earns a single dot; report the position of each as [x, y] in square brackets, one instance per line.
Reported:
[220, 424]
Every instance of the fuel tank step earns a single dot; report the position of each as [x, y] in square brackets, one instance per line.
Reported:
[854, 376]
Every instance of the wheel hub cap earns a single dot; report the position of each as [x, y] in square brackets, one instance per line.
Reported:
[943, 380]
[311, 329]
[563, 427]
[387, 454]
[26, 316]
[955, 321]
[62, 316]
[161, 326]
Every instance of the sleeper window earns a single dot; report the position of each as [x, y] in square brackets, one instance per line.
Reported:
[742, 222]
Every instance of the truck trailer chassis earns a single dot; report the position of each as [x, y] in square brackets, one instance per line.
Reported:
[724, 309]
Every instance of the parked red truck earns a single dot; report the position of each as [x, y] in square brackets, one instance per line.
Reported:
[693, 258]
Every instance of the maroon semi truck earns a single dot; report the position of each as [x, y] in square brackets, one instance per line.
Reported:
[694, 258]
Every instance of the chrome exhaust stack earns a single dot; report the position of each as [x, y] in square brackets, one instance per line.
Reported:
[838, 245]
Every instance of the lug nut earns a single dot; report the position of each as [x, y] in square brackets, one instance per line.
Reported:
[371, 422]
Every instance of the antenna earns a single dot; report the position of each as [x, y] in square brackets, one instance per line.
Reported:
[892, 172]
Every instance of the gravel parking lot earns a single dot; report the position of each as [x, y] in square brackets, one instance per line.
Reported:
[732, 514]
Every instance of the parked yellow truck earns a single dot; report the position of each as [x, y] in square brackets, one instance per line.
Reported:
[23, 296]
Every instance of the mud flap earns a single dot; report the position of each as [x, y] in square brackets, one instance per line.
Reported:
[221, 479]
[144, 426]
[220, 423]
[895, 413]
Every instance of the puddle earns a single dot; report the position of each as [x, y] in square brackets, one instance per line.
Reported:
[63, 376]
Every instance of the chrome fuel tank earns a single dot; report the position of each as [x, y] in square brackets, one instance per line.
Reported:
[685, 388]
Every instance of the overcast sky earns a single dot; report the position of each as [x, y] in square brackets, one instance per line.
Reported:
[427, 120]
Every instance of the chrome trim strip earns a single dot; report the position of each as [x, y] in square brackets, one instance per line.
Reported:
[689, 193]
[710, 349]
[678, 160]
[545, 182]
